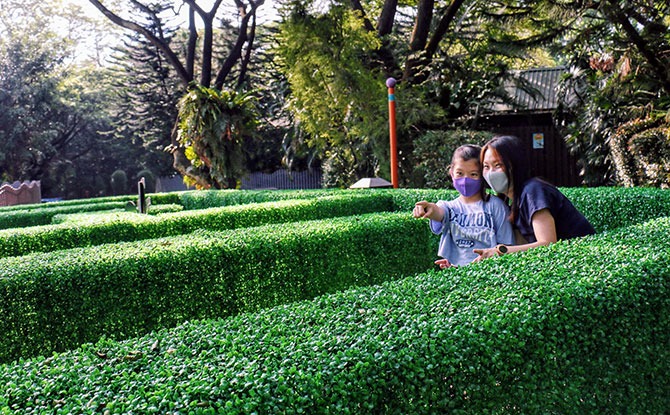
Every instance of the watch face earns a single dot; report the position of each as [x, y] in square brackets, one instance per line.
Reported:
[502, 248]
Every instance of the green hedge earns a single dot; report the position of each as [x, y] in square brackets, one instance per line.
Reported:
[87, 230]
[64, 203]
[605, 207]
[43, 215]
[203, 199]
[18, 216]
[613, 207]
[56, 301]
[580, 327]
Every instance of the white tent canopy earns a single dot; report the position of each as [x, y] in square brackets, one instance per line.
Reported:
[369, 182]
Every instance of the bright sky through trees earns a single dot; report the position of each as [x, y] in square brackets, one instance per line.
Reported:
[94, 47]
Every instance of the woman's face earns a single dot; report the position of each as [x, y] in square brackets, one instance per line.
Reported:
[492, 162]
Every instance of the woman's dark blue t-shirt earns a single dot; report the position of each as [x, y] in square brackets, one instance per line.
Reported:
[537, 195]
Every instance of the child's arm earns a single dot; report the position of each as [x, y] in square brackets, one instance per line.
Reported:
[428, 210]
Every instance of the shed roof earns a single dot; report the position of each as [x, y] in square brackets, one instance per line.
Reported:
[531, 90]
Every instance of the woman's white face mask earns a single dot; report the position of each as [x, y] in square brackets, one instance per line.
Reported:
[497, 180]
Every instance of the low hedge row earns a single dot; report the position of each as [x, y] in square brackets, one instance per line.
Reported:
[614, 207]
[580, 327]
[56, 301]
[63, 203]
[204, 199]
[127, 226]
[606, 207]
[18, 216]
[43, 214]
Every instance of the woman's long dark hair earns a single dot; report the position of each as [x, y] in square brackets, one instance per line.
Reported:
[517, 165]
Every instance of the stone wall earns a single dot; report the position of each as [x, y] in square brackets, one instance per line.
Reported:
[20, 193]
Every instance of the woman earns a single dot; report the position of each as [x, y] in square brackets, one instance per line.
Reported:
[540, 213]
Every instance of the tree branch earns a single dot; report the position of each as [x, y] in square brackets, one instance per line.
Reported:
[386, 18]
[641, 44]
[159, 43]
[236, 53]
[443, 26]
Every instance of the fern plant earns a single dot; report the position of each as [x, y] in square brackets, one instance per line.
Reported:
[212, 128]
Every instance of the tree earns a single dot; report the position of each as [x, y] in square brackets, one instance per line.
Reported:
[333, 92]
[54, 119]
[212, 124]
[620, 53]
[29, 71]
[213, 70]
[450, 60]
[144, 93]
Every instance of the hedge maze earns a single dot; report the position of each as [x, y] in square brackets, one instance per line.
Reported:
[327, 302]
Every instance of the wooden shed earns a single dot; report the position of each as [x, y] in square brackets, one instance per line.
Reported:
[530, 116]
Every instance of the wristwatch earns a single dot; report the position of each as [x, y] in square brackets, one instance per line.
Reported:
[501, 249]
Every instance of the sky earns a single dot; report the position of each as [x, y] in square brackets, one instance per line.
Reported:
[266, 12]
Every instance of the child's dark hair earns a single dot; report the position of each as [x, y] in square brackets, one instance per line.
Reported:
[466, 152]
[469, 152]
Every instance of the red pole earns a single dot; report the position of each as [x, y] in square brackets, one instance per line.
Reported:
[390, 84]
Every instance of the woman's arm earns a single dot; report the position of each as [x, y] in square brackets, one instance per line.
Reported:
[544, 228]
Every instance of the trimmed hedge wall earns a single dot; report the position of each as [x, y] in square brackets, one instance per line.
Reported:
[606, 207]
[580, 327]
[203, 199]
[129, 226]
[614, 207]
[18, 216]
[56, 301]
[43, 215]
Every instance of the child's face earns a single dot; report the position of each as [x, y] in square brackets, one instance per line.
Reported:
[462, 168]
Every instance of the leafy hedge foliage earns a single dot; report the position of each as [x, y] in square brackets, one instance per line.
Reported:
[580, 327]
[124, 226]
[213, 198]
[18, 216]
[166, 208]
[606, 207]
[43, 214]
[63, 203]
[613, 207]
[56, 301]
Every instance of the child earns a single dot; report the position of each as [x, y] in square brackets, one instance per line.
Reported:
[474, 220]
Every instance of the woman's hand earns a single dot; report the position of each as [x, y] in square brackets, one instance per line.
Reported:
[484, 253]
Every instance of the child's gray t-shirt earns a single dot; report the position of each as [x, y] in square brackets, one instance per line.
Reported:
[469, 226]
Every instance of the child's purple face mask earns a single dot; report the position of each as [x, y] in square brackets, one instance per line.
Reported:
[467, 186]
